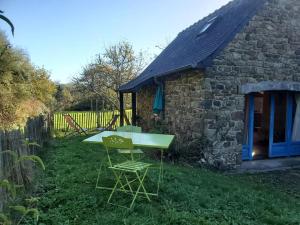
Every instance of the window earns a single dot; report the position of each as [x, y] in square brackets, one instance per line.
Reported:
[207, 25]
[280, 117]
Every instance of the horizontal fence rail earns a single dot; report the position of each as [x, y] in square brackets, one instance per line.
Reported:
[88, 120]
[37, 130]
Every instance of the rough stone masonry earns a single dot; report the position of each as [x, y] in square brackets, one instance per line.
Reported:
[209, 103]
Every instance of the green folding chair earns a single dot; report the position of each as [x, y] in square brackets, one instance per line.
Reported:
[130, 128]
[129, 174]
[134, 129]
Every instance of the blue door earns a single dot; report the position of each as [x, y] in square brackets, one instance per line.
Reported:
[280, 124]
[248, 128]
[277, 115]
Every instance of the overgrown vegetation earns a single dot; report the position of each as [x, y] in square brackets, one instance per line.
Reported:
[25, 90]
[18, 207]
[188, 195]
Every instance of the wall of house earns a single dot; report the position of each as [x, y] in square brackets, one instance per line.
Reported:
[183, 105]
[268, 48]
[145, 99]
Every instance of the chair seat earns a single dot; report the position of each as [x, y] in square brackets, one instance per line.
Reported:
[128, 151]
[131, 166]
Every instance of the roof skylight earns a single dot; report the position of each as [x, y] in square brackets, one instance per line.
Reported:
[207, 25]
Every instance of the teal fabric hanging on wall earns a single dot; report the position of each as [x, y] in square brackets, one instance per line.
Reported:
[158, 101]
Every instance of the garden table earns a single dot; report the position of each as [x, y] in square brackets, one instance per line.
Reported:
[143, 140]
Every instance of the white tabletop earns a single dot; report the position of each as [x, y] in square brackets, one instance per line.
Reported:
[161, 141]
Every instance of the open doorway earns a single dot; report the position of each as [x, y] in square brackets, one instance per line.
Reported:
[261, 125]
[267, 125]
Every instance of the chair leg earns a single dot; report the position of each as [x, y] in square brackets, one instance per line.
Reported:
[99, 172]
[103, 161]
[143, 187]
[122, 186]
[128, 183]
[139, 187]
[115, 187]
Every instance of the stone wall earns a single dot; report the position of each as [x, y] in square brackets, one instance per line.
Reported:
[184, 105]
[267, 49]
[145, 98]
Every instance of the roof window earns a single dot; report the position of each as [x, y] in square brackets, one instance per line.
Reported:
[207, 25]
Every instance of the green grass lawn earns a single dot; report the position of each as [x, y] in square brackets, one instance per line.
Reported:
[188, 196]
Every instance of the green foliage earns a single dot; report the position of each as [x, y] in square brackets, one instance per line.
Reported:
[4, 219]
[29, 143]
[63, 96]
[8, 186]
[19, 159]
[32, 158]
[9, 217]
[23, 211]
[32, 200]
[20, 209]
[188, 195]
[25, 90]
[11, 153]
[103, 77]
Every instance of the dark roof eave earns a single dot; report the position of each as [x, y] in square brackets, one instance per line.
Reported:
[181, 69]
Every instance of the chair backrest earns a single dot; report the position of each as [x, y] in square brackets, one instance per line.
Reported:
[116, 142]
[112, 122]
[130, 128]
[70, 121]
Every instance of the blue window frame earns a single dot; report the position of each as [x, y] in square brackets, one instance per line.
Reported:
[282, 145]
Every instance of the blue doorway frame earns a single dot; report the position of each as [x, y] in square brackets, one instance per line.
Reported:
[275, 149]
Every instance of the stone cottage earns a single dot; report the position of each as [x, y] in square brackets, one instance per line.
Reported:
[233, 77]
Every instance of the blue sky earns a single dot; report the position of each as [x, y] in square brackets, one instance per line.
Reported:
[64, 35]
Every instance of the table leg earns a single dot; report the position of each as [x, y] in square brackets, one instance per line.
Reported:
[160, 175]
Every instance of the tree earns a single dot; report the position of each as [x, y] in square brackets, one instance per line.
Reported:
[103, 77]
[25, 90]
[63, 96]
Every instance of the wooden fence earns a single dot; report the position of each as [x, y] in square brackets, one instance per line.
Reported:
[88, 120]
[37, 130]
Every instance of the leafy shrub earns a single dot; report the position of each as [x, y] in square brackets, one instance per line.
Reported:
[15, 213]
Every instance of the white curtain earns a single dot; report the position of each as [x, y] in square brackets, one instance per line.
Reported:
[296, 127]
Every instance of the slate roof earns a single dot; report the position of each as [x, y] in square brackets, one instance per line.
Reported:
[192, 49]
